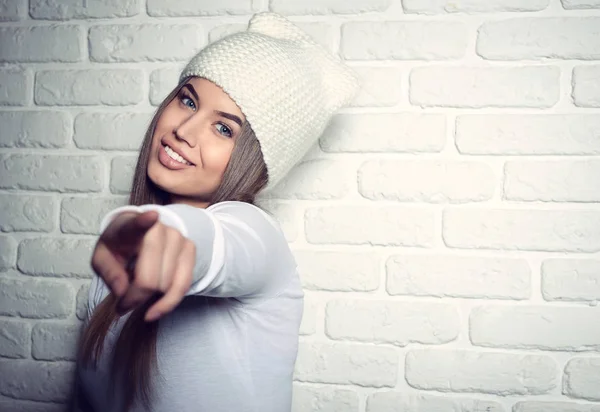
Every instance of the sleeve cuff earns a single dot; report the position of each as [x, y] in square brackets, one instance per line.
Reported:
[165, 216]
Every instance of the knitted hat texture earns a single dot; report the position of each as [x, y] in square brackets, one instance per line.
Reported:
[287, 85]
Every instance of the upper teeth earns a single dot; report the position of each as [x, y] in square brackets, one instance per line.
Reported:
[175, 156]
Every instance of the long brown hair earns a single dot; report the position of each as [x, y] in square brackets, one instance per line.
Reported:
[134, 358]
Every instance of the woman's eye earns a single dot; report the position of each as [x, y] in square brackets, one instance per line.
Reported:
[224, 130]
[188, 102]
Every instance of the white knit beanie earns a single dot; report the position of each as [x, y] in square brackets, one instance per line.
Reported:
[286, 84]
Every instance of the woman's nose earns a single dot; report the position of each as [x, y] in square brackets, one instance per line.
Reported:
[187, 131]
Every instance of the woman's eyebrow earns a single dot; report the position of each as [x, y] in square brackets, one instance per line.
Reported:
[220, 113]
[192, 90]
[230, 117]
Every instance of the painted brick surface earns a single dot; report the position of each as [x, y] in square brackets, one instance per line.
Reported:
[35, 129]
[83, 9]
[486, 372]
[571, 279]
[472, 6]
[446, 225]
[15, 87]
[534, 327]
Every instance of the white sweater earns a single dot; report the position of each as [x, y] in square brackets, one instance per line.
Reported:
[232, 343]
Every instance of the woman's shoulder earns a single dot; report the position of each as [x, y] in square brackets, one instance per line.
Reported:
[251, 218]
[243, 210]
[234, 205]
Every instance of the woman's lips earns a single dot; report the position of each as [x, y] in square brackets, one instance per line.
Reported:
[168, 162]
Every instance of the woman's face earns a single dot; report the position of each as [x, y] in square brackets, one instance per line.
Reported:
[193, 141]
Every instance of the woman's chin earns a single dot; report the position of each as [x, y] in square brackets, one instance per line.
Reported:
[160, 180]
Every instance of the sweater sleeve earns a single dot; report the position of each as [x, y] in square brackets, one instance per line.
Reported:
[240, 250]
[96, 294]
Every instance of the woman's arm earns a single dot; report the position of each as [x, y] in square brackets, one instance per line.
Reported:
[231, 249]
[240, 251]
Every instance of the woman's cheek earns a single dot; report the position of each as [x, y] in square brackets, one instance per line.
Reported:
[219, 158]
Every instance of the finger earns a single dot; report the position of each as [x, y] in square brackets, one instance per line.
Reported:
[110, 269]
[147, 270]
[128, 229]
[173, 247]
[134, 297]
[180, 286]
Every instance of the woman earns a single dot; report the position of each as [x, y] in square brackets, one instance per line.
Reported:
[197, 302]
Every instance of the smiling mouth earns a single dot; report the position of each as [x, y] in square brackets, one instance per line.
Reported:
[173, 155]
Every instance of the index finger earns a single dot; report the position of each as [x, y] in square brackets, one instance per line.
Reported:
[182, 281]
[127, 230]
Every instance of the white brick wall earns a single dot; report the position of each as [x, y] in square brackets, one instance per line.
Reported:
[447, 226]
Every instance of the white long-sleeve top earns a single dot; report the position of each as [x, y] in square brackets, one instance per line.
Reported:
[232, 343]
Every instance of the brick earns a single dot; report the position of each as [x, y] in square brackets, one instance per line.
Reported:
[83, 215]
[309, 317]
[162, 82]
[347, 364]
[13, 10]
[286, 215]
[396, 323]
[315, 180]
[37, 381]
[439, 182]
[582, 378]
[302, 7]
[114, 87]
[458, 277]
[360, 225]
[472, 6]
[528, 134]
[111, 131]
[14, 339]
[8, 252]
[385, 133]
[164, 8]
[476, 87]
[219, 32]
[61, 257]
[536, 230]
[338, 271]
[51, 173]
[540, 406]
[82, 302]
[535, 327]
[35, 129]
[41, 44]
[121, 174]
[27, 213]
[309, 399]
[379, 86]
[580, 4]
[495, 373]
[145, 42]
[55, 341]
[419, 40]
[322, 33]
[571, 280]
[15, 87]
[424, 403]
[552, 181]
[14, 405]
[36, 299]
[586, 86]
[401, 402]
[537, 38]
[82, 9]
